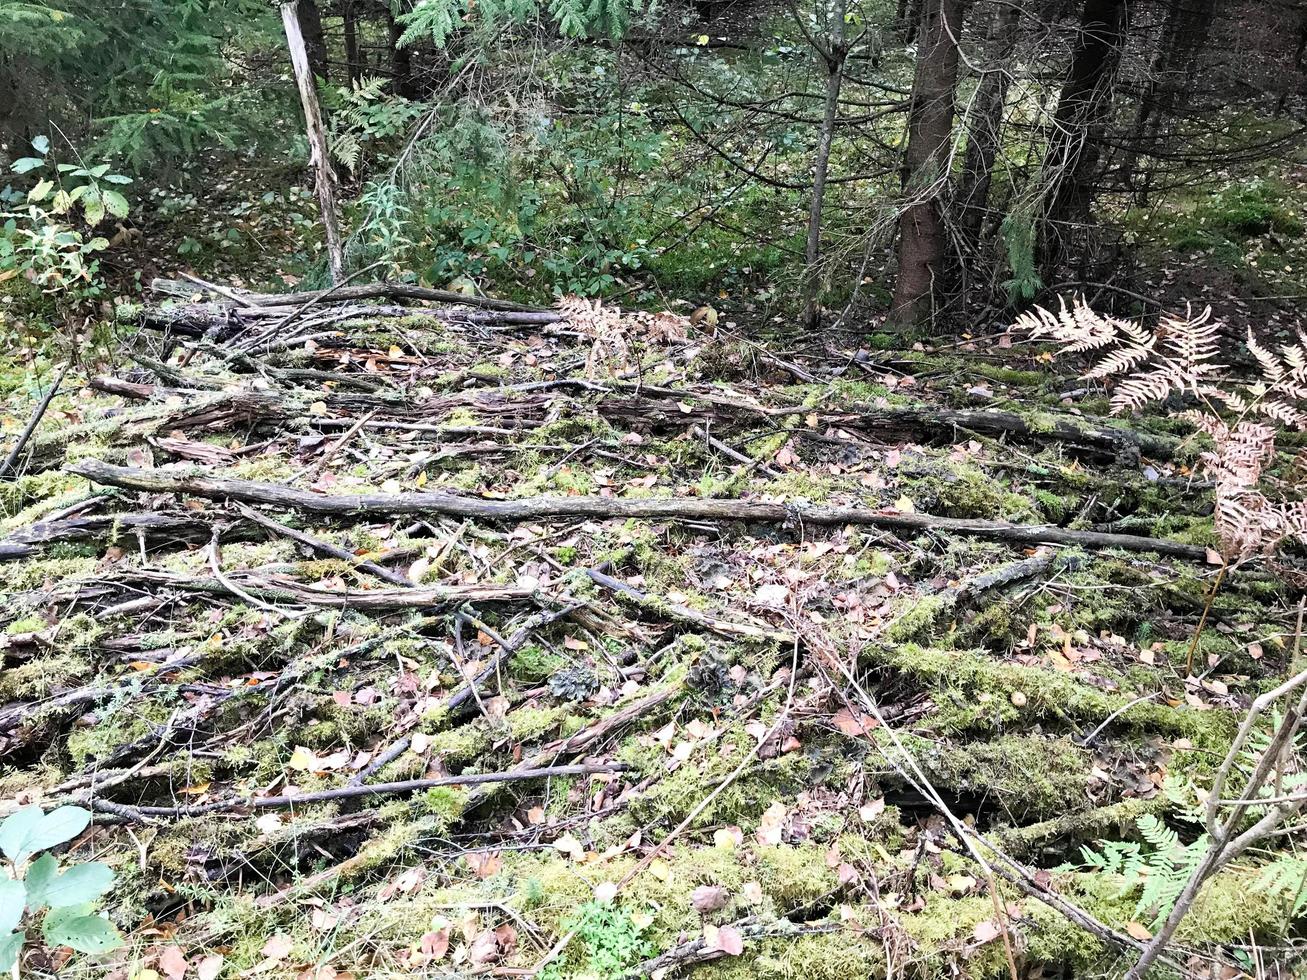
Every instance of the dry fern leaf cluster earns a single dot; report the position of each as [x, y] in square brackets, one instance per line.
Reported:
[611, 331]
[1179, 358]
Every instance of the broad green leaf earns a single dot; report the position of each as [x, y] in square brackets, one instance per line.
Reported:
[17, 827]
[41, 145]
[10, 946]
[100, 171]
[115, 203]
[117, 179]
[39, 192]
[13, 896]
[62, 202]
[79, 884]
[93, 208]
[23, 164]
[43, 871]
[40, 832]
[85, 933]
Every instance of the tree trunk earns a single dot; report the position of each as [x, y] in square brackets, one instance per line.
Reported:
[315, 42]
[987, 122]
[1171, 74]
[353, 66]
[834, 57]
[913, 22]
[1075, 146]
[401, 60]
[319, 157]
[922, 239]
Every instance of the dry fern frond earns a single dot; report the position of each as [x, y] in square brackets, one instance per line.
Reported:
[1179, 357]
[611, 331]
[1078, 327]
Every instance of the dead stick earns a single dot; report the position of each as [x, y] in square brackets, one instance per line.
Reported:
[348, 792]
[33, 422]
[323, 547]
[364, 506]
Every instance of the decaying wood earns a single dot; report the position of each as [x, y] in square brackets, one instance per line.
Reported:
[38, 413]
[319, 154]
[324, 547]
[353, 792]
[366, 506]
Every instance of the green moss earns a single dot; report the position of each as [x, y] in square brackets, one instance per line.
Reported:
[27, 624]
[36, 573]
[794, 875]
[445, 803]
[835, 956]
[973, 691]
[42, 675]
[918, 618]
[37, 487]
[1023, 776]
[116, 729]
[534, 664]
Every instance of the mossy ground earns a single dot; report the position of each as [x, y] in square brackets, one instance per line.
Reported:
[1050, 712]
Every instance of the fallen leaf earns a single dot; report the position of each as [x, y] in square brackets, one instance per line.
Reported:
[210, 967]
[729, 941]
[172, 961]
[987, 931]
[870, 811]
[708, 898]
[278, 947]
[435, 943]
[1139, 931]
[772, 824]
[569, 845]
[852, 724]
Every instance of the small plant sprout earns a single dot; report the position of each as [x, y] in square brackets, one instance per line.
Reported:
[33, 888]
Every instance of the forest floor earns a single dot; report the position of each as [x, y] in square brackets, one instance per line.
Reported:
[657, 728]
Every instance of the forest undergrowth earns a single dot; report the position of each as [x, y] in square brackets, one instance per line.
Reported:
[814, 662]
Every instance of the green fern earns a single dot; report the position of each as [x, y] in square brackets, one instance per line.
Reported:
[1161, 864]
[1286, 878]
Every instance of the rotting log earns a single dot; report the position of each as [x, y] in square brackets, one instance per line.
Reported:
[366, 506]
[221, 321]
[27, 541]
[366, 290]
[348, 792]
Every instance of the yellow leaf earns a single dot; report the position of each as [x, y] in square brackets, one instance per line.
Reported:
[702, 39]
[302, 758]
[905, 505]
[1139, 931]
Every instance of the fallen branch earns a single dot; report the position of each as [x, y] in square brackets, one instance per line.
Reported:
[367, 506]
[348, 792]
[38, 413]
[324, 547]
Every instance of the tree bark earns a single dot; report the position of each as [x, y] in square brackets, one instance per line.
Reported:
[315, 41]
[1075, 146]
[401, 59]
[349, 23]
[369, 506]
[834, 57]
[987, 122]
[319, 157]
[922, 239]
[1171, 74]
